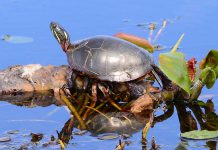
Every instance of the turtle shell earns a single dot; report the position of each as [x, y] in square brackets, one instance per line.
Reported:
[109, 59]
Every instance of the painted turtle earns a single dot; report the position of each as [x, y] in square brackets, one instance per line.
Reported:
[105, 58]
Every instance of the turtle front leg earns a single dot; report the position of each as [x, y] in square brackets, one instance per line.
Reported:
[104, 90]
[94, 91]
[94, 100]
[70, 83]
[79, 82]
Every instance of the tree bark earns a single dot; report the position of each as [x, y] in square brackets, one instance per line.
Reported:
[33, 77]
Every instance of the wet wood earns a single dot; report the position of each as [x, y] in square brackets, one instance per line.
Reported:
[143, 103]
[31, 82]
[33, 77]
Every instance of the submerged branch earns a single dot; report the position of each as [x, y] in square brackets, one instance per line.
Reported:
[72, 109]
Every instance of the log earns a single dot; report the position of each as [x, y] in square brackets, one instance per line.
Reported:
[34, 77]
[36, 83]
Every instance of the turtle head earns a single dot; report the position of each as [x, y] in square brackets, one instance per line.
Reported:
[61, 35]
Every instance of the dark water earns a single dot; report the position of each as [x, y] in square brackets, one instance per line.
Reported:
[31, 18]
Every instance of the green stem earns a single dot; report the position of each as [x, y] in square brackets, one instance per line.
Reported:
[196, 90]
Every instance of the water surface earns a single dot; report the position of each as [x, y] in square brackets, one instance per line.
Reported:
[31, 18]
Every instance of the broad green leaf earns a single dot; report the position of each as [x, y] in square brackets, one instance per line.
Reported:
[173, 64]
[176, 46]
[208, 77]
[211, 60]
[141, 42]
[200, 135]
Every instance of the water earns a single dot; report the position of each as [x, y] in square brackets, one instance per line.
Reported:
[31, 18]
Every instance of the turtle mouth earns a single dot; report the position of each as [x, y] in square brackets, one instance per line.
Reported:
[53, 25]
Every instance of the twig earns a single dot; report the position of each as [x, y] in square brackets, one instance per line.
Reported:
[145, 131]
[151, 27]
[99, 112]
[93, 102]
[60, 141]
[114, 104]
[72, 109]
[62, 144]
[81, 109]
[120, 146]
[160, 30]
[147, 126]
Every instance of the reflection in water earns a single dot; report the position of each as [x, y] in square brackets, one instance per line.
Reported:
[106, 119]
[31, 99]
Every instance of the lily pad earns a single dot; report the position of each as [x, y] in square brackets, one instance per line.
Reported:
[13, 132]
[16, 39]
[200, 135]
[5, 139]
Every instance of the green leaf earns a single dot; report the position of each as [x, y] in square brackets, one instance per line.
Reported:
[173, 64]
[141, 42]
[200, 135]
[201, 103]
[176, 46]
[211, 60]
[208, 77]
[216, 71]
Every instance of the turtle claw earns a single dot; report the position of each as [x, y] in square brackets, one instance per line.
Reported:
[66, 90]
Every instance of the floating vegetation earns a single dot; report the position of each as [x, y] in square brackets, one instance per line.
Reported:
[13, 132]
[5, 139]
[36, 137]
[200, 135]
[80, 132]
[158, 47]
[16, 39]
[108, 136]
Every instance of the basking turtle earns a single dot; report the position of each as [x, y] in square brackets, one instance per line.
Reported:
[105, 59]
